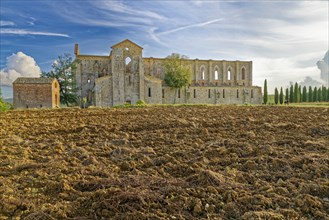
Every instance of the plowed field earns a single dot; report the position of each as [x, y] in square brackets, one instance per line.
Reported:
[192, 162]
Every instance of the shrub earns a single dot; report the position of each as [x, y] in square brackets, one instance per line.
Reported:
[5, 106]
[140, 102]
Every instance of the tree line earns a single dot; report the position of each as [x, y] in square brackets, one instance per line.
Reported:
[296, 94]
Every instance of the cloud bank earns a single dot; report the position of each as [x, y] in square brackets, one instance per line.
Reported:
[323, 65]
[19, 65]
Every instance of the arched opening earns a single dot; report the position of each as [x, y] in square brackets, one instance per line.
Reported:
[216, 75]
[128, 64]
[229, 74]
[56, 101]
[203, 73]
[243, 73]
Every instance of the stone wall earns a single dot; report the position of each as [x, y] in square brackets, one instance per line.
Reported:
[153, 90]
[89, 68]
[207, 72]
[103, 94]
[212, 95]
[36, 96]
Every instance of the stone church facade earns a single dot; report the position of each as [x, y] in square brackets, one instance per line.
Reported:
[125, 76]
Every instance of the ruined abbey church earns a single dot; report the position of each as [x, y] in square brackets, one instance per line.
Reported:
[125, 76]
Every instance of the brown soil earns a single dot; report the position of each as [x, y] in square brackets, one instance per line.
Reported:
[225, 162]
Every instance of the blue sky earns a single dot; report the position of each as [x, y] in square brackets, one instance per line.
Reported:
[284, 39]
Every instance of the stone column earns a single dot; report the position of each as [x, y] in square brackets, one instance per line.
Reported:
[250, 74]
[196, 70]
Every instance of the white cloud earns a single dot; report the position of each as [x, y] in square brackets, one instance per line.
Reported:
[202, 24]
[19, 65]
[6, 23]
[26, 32]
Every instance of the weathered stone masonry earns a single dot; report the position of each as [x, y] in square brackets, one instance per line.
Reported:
[36, 93]
[125, 76]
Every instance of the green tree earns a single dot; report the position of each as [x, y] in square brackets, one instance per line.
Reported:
[310, 94]
[304, 97]
[177, 75]
[287, 95]
[291, 95]
[296, 93]
[319, 99]
[63, 70]
[324, 94]
[4, 106]
[315, 94]
[265, 96]
[281, 96]
[276, 96]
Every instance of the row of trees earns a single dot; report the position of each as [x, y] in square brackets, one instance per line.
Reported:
[296, 93]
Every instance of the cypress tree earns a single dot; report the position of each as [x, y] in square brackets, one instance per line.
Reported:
[296, 92]
[299, 93]
[315, 94]
[281, 96]
[304, 99]
[324, 94]
[310, 94]
[319, 95]
[287, 94]
[291, 97]
[276, 96]
[265, 92]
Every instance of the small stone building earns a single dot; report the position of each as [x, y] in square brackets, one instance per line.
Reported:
[36, 93]
[125, 76]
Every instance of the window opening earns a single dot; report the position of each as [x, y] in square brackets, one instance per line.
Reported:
[216, 75]
[178, 93]
[194, 93]
[252, 93]
[203, 73]
[163, 93]
[229, 74]
[243, 73]
[128, 64]
[209, 94]
[237, 93]
[150, 94]
[224, 93]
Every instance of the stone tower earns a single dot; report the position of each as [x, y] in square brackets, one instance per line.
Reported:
[127, 73]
